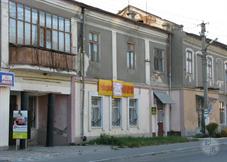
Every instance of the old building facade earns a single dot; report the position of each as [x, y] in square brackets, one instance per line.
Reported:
[81, 72]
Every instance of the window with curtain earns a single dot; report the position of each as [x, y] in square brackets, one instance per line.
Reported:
[30, 26]
[131, 56]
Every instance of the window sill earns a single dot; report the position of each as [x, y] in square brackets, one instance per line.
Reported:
[92, 127]
[159, 72]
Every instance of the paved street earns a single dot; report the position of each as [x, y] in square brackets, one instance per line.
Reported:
[188, 152]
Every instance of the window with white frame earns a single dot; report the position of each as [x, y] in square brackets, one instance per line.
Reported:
[94, 46]
[209, 68]
[222, 112]
[131, 56]
[133, 118]
[116, 112]
[189, 62]
[226, 71]
[158, 60]
[96, 111]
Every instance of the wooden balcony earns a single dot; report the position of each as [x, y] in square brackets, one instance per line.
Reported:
[25, 55]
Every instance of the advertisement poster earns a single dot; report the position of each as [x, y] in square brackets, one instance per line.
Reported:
[20, 124]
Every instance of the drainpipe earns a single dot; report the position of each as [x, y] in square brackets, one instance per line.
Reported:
[82, 72]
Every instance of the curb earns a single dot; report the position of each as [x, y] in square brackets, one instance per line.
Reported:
[151, 153]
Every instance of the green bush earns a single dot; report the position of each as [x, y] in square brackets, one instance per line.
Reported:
[212, 129]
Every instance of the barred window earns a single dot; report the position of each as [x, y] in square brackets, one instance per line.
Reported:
[133, 112]
[116, 112]
[96, 111]
[29, 26]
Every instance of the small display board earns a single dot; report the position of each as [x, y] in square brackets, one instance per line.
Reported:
[20, 124]
[153, 110]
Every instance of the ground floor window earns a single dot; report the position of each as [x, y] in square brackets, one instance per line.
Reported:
[116, 112]
[133, 118]
[96, 111]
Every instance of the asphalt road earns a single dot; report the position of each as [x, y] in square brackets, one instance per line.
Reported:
[191, 155]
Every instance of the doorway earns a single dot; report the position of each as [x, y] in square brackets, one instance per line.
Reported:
[13, 106]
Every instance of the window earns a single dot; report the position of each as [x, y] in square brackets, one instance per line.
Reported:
[116, 114]
[209, 68]
[131, 56]
[189, 62]
[93, 47]
[222, 112]
[96, 111]
[158, 60]
[132, 112]
[29, 26]
[226, 72]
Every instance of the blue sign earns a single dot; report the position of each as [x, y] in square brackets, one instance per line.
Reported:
[6, 79]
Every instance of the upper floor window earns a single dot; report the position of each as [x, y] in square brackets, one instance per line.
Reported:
[93, 47]
[29, 26]
[116, 113]
[189, 62]
[158, 59]
[131, 56]
[222, 112]
[225, 71]
[96, 111]
[133, 112]
[209, 68]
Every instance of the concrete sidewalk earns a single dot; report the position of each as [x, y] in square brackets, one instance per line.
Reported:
[94, 152]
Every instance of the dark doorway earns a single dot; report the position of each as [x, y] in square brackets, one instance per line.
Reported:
[13, 106]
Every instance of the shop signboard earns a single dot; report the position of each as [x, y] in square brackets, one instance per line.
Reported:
[6, 79]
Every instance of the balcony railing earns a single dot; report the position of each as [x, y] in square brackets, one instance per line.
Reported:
[26, 55]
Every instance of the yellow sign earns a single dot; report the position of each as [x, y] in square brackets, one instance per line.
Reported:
[105, 87]
[115, 88]
[128, 90]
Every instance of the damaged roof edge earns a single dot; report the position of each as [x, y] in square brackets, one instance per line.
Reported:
[114, 15]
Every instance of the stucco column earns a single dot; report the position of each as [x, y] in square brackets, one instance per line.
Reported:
[167, 119]
[4, 116]
[50, 120]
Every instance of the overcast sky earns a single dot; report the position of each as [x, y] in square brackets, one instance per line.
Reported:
[188, 13]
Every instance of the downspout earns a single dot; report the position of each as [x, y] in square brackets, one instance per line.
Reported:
[82, 72]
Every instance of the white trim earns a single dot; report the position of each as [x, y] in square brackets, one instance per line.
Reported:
[208, 51]
[41, 69]
[110, 113]
[114, 54]
[212, 62]
[147, 62]
[125, 33]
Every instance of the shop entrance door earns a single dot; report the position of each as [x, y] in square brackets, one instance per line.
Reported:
[13, 106]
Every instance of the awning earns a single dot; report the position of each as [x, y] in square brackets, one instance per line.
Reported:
[163, 97]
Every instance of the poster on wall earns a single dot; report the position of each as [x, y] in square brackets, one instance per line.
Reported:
[117, 89]
[20, 124]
